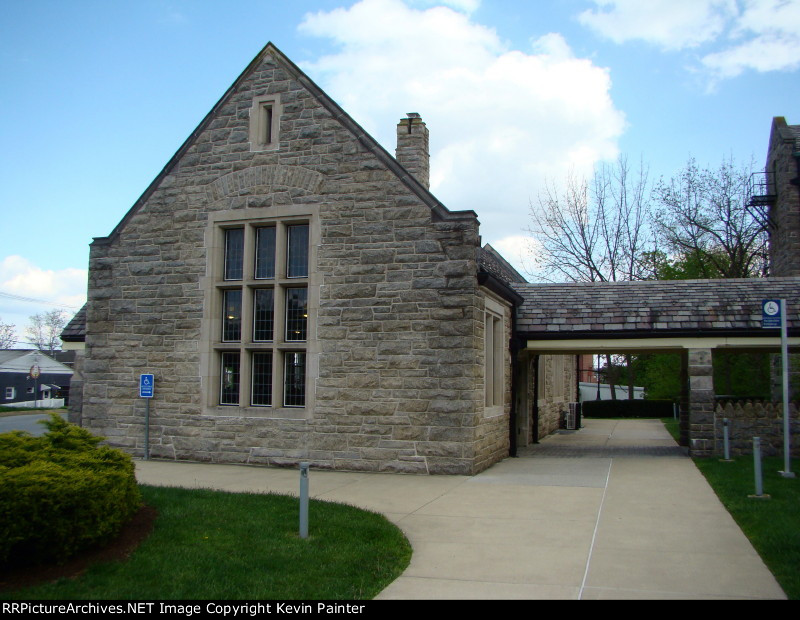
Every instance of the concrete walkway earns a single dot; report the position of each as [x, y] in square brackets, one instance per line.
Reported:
[612, 511]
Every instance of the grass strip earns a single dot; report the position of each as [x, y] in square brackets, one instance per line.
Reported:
[772, 525]
[216, 545]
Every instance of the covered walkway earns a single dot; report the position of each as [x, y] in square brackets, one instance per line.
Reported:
[690, 317]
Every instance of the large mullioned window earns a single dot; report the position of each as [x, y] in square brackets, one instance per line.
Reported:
[263, 322]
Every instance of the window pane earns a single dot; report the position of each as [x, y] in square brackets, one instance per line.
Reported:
[263, 314]
[262, 379]
[297, 253]
[234, 253]
[294, 379]
[296, 313]
[265, 252]
[232, 316]
[229, 379]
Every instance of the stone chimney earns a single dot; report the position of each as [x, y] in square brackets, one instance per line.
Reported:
[412, 147]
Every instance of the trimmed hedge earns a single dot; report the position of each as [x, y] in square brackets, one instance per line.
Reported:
[627, 408]
[61, 493]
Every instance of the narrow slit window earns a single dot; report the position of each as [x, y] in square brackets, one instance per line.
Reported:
[266, 114]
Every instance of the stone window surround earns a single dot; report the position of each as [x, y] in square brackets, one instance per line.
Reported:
[213, 284]
[265, 115]
[494, 364]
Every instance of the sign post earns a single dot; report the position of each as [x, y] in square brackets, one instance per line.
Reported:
[773, 314]
[35, 373]
[146, 389]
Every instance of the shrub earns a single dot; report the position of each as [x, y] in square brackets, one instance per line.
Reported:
[61, 493]
[627, 408]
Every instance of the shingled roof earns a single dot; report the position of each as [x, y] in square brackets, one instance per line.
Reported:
[75, 330]
[491, 260]
[652, 308]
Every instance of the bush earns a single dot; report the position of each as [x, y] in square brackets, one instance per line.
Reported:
[627, 408]
[61, 493]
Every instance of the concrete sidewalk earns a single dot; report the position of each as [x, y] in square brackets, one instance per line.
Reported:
[567, 526]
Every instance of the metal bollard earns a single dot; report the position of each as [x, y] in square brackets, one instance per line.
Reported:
[725, 441]
[757, 466]
[304, 500]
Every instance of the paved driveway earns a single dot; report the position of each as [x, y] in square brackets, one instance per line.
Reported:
[25, 422]
[574, 525]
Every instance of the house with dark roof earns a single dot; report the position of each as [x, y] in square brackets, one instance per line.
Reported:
[298, 293]
[30, 378]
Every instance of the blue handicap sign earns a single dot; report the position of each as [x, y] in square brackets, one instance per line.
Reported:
[771, 313]
[146, 385]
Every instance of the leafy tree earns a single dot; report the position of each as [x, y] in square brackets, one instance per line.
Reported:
[704, 223]
[7, 336]
[45, 329]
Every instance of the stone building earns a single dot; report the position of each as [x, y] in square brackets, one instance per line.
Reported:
[299, 294]
[781, 197]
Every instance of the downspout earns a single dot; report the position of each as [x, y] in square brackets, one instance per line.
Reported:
[535, 404]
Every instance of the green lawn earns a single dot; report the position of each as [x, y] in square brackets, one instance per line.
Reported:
[214, 545]
[772, 525]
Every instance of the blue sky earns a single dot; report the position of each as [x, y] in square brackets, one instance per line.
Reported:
[96, 96]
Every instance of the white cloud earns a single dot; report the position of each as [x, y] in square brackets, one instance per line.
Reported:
[766, 37]
[22, 278]
[501, 120]
[762, 35]
[670, 24]
[517, 250]
[467, 6]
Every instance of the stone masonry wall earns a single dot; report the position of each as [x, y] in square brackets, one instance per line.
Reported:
[558, 388]
[399, 379]
[750, 419]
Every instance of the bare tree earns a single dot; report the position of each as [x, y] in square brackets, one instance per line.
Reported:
[44, 330]
[594, 231]
[703, 219]
[7, 336]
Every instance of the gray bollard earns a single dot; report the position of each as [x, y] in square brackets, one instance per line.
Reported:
[725, 441]
[757, 466]
[304, 500]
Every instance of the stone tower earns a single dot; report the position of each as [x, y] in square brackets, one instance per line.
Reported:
[783, 186]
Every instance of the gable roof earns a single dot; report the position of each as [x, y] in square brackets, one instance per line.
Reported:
[21, 360]
[367, 141]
